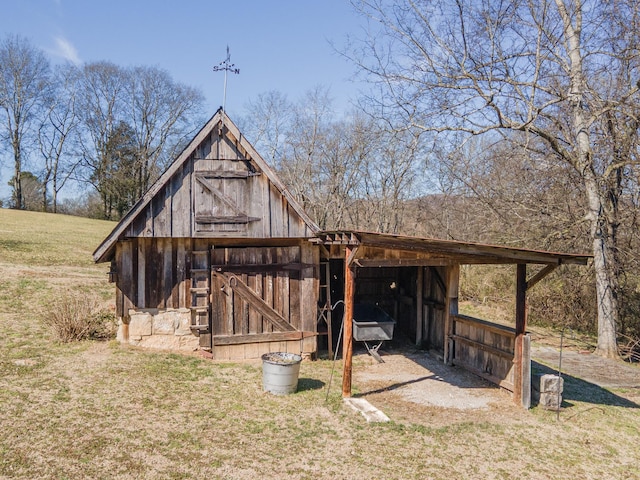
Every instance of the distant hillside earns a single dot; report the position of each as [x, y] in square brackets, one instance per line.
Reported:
[44, 239]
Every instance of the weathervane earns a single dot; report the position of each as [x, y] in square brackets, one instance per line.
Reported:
[226, 66]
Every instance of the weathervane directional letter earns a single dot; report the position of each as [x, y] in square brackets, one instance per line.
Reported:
[226, 66]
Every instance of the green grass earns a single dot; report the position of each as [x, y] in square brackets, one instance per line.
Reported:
[44, 239]
[102, 410]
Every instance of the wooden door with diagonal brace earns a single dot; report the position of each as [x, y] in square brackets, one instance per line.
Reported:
[256, 295]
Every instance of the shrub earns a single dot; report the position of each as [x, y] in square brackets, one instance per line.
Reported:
[75, 317]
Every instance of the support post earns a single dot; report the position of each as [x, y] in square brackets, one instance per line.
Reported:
[419, 306]
[347, 345]
[451, 309]
[521, 328]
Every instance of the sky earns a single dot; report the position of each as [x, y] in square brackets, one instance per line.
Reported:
[283, 45]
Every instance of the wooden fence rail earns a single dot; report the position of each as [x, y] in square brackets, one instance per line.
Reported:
[487, 349]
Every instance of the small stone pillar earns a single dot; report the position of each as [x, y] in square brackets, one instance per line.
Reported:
[547, 390]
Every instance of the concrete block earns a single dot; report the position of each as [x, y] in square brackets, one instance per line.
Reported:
[550, 400]
[551, 383]
[547, 390]
[170, 342]
[547, 383]
[161, 342]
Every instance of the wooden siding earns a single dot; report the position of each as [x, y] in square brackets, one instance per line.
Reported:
[260, 300]
[433, 312]
[156, 273]
[152, 273]
[218, 191]
[485, 348]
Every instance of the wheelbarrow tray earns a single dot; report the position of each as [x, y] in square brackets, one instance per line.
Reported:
[371, 323]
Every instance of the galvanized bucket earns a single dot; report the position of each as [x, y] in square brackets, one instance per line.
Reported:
[280, 372]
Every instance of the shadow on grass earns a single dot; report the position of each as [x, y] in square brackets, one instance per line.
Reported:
[580, 390]
[305, 384]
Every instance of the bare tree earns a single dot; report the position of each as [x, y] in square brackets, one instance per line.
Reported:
[100, 103]
[156, 112]
[269, 117]
[161, 113]
[56, 131]
[24, 85]
[389, 176]
[349, 172]
[541, 67]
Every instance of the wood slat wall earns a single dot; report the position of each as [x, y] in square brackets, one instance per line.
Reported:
[434, 302]
[196, 192]
[485, 348]
[156, 273]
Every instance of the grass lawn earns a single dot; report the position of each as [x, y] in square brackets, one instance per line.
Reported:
[101, 410]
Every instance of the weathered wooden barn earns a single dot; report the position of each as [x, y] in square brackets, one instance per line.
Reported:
[219, 256]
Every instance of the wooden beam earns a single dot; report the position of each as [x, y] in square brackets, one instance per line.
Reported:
[526, 371]
[404, 262]
[419, 305]
[484, 347]
[451, 310]
[350, 256]
[485, 325]
[261, 267]
[540, 275]
[224, 219]
[521, 327]
[226, 174]
[347, 343]
[219, 340]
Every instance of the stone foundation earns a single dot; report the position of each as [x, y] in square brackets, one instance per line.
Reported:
[160, 329]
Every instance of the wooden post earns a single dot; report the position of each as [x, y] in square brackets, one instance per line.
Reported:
[451, 309]
[521, 327]
[347, 343]
[419, 306]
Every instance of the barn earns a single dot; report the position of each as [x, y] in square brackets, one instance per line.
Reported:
[218, 256]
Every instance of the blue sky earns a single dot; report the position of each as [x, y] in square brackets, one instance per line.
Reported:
[277, 44]
[280, 45]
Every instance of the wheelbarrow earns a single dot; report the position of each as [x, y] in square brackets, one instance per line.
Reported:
[372, 324]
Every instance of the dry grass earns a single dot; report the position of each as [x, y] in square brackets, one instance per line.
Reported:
[78, 316]
[99, 410]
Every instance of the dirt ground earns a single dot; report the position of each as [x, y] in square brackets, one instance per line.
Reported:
[591, 368]
[417, 381]
[422, 379]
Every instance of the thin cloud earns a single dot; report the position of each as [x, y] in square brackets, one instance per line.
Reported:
[65, 49]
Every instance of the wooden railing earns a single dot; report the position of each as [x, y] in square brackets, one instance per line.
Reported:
[486, 349]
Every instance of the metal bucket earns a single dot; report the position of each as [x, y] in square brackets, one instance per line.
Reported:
[280, 372]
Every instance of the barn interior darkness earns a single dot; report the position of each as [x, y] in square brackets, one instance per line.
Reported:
[394, 290]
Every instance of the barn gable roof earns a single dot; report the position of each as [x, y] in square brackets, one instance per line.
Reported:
[219, 122]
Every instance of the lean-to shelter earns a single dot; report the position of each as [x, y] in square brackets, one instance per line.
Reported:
[218, 256]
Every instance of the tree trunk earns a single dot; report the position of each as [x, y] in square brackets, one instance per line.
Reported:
[17, 177]
[604, 264]
[604, 261]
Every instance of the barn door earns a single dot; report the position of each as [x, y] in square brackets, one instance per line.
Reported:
[221, 199]
[255, 295]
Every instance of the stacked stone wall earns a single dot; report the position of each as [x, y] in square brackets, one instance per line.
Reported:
[161, 329]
